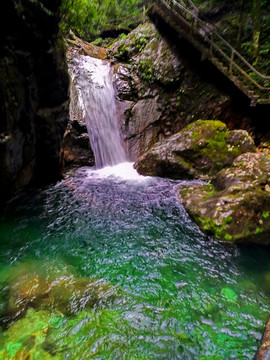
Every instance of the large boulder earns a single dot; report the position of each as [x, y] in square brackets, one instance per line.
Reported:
[199, 151]
[236, 206]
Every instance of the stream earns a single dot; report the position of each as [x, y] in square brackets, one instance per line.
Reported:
[107, 264]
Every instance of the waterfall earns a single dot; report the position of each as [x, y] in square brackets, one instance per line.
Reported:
[93, 81]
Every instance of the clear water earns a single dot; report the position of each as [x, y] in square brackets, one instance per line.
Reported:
[104, 267]
[92, 80]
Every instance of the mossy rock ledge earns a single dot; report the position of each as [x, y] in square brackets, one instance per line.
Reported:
[198, 151]
[236, 206]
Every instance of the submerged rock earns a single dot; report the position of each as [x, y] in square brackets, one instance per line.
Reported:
[28, 286]
[236, 206]
[198, 151]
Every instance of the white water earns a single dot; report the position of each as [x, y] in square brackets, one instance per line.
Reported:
[123, 171]
[92, 78]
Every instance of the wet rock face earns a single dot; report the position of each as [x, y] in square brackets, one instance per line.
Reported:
[236, 206]
[76, 149]
[33, 93]
[198, 151]
[147, 66]
[160, 92]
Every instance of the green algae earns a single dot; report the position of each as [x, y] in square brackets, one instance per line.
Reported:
[26, 338]
[229, 294]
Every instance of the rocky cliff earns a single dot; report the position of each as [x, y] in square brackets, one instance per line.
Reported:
[162, 86]
[33, 93]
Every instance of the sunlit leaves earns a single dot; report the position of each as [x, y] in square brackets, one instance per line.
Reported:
[89, 18]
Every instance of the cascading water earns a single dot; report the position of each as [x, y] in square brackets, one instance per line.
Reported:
[93, 81]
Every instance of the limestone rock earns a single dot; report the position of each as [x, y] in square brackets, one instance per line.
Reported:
[236, 206]
[198, 151]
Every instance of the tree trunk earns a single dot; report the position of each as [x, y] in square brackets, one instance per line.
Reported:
[256, 15]
[241, 24]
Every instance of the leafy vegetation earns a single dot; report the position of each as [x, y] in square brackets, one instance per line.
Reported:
[91, 19]
[245, 24]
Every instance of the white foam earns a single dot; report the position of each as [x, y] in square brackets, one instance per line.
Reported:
[123, 171]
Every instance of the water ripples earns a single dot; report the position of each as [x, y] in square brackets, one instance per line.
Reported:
[170, 292]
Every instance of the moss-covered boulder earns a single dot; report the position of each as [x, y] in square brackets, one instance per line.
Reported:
[236, 206]
[199, 151]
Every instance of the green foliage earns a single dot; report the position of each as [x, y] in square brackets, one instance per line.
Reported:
[147, 72]
[140, 43]
[122, 52]
[240, 23]
[89, 18]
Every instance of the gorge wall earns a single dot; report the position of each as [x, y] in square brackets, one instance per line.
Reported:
[162, 85]
[33, 93]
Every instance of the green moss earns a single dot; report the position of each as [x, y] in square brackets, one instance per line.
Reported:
[140, 43]
[122, 52]
[146, 71]
[228, 237]
[265, 214]
[228, 220]
[258, 230]
[208, 191]
[211, 150]
[207, 125]
[208, 225]
[184, 191]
